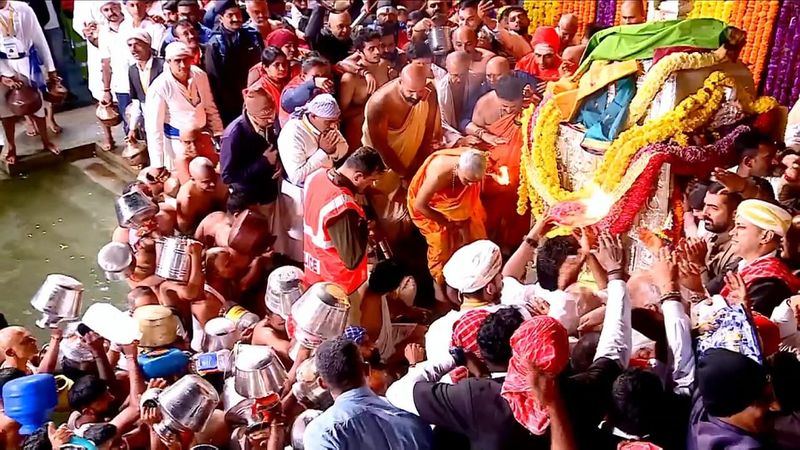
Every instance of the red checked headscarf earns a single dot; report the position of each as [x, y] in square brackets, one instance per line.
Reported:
[465, 335]
[543, 342]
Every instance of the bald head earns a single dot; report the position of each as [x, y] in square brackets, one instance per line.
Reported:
[632, 12]
[567, 28]
[472, 166]
[573, 53]
[457, 65]
[17, 346]
[465, 39]
[497, 67]
[200, 166]
[339, 24]
[413, 83]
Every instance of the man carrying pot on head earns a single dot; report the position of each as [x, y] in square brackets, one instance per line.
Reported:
[23, 53]
[180, 98]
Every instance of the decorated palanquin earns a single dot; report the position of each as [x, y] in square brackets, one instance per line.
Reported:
[649, 103]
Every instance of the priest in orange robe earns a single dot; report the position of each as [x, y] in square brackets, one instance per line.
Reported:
[497, 115]
[444, 201]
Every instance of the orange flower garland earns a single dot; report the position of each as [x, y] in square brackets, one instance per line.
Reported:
[757, 18]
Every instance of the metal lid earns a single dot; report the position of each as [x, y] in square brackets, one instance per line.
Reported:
[114, 257]
[331, 294]
[151, 313]
[219, 326]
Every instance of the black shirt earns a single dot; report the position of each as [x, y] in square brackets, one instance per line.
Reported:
[322, 41]
[229, 55]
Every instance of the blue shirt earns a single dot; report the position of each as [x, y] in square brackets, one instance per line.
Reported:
[204, 34]
[359, 419]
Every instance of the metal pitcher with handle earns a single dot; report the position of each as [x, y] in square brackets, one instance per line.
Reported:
[186, 406]
[174, 261]
[59, 298]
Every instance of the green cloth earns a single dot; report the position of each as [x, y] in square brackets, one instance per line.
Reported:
[625, 42]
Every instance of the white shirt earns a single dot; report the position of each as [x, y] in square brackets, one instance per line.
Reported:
[114, 47]
[298, 146]
[28, 34]
[792, 135]
[440, 333]
[563, 305]
[84, 13]
[182, 107]
[53, 22]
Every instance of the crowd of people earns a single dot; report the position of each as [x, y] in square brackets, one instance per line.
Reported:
[313, 152]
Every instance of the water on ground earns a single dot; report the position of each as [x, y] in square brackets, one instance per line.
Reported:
[54, 220]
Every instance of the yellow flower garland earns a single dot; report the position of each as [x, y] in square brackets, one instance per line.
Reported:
[658, 74]
[539, 173]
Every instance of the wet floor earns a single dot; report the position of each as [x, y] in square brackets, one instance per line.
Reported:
[55, 220]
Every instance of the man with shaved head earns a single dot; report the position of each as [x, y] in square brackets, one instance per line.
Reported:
[496, 122]
[466, 39]
[454, 91]
[203, 194]
[567, 29]
[632, 12]
[18, 347]
[497, 68]
[333, 41]
[444, 200]
[403, 123]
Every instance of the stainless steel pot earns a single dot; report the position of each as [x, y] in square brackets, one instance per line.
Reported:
[174, 262]
[283, 289]
[116, 260]
[220, 333]
[133, 208]
[257, 372]
[238, 410]
[439, 40]
[321, 313]
[186, 406]
[300, 424]
[307, 389]
[59, 298]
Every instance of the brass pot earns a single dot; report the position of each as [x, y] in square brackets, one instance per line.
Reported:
[55, 92]
[23, 101]
[108, 114]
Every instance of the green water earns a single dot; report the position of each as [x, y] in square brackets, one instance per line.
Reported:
[53, 221]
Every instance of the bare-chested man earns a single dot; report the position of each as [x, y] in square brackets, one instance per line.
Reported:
[355, 88]
[496, 121]
[632, 12]
[403, 123]
[200, 196]
[466, 40]
[567, 28]
[402, 120]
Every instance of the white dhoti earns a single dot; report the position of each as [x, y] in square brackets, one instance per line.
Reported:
[391, 333]
[290, 207]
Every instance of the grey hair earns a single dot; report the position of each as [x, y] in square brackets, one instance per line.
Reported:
[473, 162]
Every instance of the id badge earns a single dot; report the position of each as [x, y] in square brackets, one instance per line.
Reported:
[10, 47]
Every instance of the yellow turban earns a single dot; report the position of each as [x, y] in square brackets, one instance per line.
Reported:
[765, 215]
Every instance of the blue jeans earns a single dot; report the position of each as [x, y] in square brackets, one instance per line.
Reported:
[123, 100]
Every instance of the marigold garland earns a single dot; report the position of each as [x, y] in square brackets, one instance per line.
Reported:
[658, 74]
[691, 113]
[615, 175]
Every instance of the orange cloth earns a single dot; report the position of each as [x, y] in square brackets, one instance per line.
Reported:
[548, 36]
[505, 226]
[462, 205]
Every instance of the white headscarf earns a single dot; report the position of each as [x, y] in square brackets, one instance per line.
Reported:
[473, 266]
